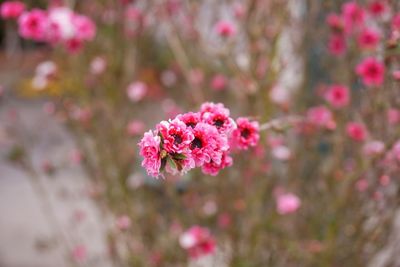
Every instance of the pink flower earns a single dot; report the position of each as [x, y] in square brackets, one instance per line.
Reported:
[79, 253]
[321, 116]
[176, 136]
[373, 148]
[337, 44]
[377, 8]
[218, 82]
[287, 203]
[197, 241]
[123, 222]
[98, 65]
[225, 28]
[218, 116]
[356, 131]
[371, 71]
[393, 116]
[33, 25]
[135, 127]
[362, 185]
[281, 152]
[353, 14]
[396, 75]
[59, 25]
[208, 145]
[136, 91]
[191, 119]
[396, 21]
[11, 9]
[150, 151]
[280, 95]
[85, 28]
[338, 96]
[213, 168]
[335, 22]
[368, 38]
[246, 134]
[73, 45]
[239, 10]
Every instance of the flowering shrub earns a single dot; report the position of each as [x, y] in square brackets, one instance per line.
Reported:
[315, 142]
[58, 25]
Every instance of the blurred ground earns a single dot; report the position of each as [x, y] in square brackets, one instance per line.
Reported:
[28, 235]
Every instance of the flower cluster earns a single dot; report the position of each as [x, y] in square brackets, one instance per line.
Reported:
[202, 139]
[360, 25]
[58, 25]
[198, 241]
[11, 9]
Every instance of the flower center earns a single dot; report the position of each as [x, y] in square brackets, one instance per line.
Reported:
[196, 143]
[191, 124]
[218, 123]
[177, 139]
[245, 133]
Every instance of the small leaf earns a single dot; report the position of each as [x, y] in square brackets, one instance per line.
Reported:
[172, 163]
[179, 156]
[163, 164]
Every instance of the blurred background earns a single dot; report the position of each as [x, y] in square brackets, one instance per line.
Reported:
[82, 81]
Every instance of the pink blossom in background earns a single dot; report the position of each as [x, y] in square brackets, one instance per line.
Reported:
[372, 71]
[246, 134]
[280, 95]
[79, 253]
[287, 203]
[218, 82]
[150, 151]
[337, 44]
[11, 9]
[225, 28]
[76, 156]
[338, 96]
[353, 14]
[362, 185]
[335, 22]
[196, 77]
[98, 65]
[373, 148]
[123, 222]
[224, 220]
[356, 131]
[59, 25]
[396, 75]
[321, 116]
[377, 7]
[281, 152]
[384, 180]
[239, 10]
[198, 242]
[136, 91]
[393, 116]
[33, 25]
[135, 127]
[49, 108]
[396, 21]
[368, 38]
[85, 28]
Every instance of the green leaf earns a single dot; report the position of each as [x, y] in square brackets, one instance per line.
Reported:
[179, 156]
